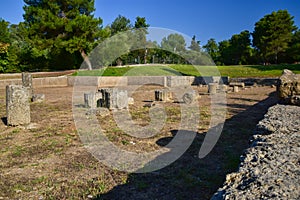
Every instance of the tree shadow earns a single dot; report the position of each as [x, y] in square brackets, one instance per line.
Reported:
[4, 120]
[190, 177]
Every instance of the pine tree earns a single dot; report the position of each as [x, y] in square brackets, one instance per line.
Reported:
[62, 26]
[272, 34]
[195, 45]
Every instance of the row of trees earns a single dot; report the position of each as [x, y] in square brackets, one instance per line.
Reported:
[60, 34]
[275, 39]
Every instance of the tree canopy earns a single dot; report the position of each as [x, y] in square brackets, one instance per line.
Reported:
[60, 34]
[66, 26]
[272, 34]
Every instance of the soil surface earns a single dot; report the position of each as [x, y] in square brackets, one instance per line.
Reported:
[47, 160]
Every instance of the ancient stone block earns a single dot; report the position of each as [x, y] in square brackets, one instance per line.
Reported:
[288, 87]
[38, 98]
[235, 88]
[114, 98]
[92, 100]
[130, 101]
[189, 97]
[223, 88]
[239, 84]
[27, 82]
[178, 81]
[17, 105]
[163, 95]
[212, 88]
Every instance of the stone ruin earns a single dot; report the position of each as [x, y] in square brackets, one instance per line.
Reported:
[111, 98]
[166, 95]
[269, 167]
[288, 87]
[163, 95]
[17, 105]
[27, 82]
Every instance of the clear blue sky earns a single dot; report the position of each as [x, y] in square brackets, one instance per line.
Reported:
[218, 19]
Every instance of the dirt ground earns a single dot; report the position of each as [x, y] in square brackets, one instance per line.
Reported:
[48, 160]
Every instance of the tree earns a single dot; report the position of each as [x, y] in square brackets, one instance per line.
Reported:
[272, 34]
[120, 24]
[293, 51]
[195, 45]
[174, 44]
[212, 49]
[139, 39]
[224, 51]
[4, 44]
[62, 26]
[240, 47]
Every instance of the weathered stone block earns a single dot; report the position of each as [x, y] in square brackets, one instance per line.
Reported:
[92, 100]
[235, 88]
[27, 82]
[239, 84]
[223, 88]
[288, 87]
[114, 98]
[189, 97]
[163, 95]
[212, 88]
[17, 105]
[38, 98]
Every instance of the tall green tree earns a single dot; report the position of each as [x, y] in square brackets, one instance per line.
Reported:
[140, 39]
[62, 26]
[240, 48]
[195, 44]
[272, 34]
[174, 43]
[120, 24]
[224, 51]
[4, 44]
[293, 51]
[212, 49]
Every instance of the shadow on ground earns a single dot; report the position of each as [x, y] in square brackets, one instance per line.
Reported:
[4, 120]
[193, 178]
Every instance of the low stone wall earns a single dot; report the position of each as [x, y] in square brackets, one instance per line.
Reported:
[258, 81]
[61, 81]
[269, 168]
[110, 81]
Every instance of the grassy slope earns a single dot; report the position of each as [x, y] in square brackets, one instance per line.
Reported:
[189, 70]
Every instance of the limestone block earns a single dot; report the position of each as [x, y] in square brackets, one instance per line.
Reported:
[239, 84]
[189, 97]
[114, 98]
[38, 98]
[90, 100]
[212, 88]
[235, 88]
[27, 82]
[163, 95]
[288, 87]
[17, 105]
[223, 88]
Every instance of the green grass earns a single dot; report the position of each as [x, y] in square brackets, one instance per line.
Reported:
[189, 70]
[131, 71]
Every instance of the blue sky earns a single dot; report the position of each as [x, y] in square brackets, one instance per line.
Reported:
[218, 19]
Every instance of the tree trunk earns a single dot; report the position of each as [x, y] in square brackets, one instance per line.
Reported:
[86, 59]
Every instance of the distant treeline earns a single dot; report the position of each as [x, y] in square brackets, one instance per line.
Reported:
[59, 35]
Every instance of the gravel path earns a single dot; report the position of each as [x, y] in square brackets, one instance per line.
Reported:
[269, 168]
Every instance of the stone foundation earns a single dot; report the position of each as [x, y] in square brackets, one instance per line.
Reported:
[269, 168]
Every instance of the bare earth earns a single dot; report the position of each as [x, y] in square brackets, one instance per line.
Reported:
[48, 160]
